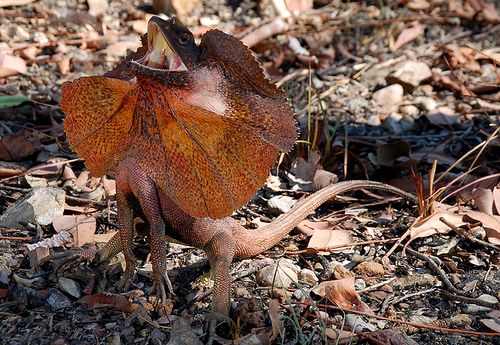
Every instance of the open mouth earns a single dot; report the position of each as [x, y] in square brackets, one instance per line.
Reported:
[160, 53]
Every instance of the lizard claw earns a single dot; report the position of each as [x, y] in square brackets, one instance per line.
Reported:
[71, 258]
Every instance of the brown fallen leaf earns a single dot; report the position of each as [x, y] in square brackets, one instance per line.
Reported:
[324, 236]
[82, 227]
[11, 65]
[17, 146]
[483, 199]
[121, 302]
[408, 35]
[276, 323]
[342, 293]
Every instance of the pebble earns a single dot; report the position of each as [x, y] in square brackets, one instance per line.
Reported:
[410, 74]
[307, 276]
[281, 274]
[389, 98]
[41, 206]
[280, 204]
[70, 287]
[57, 300]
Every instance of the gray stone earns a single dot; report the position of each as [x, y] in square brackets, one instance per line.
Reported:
[280, 275]
[41, 206]
[410, 74]
[70, 287]
[280, 204]
[182, 334]
[389, 98]
[57, 300]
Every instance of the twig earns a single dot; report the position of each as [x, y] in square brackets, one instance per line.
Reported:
[469, 300]
[414, 324]
[436, 269]
[410, 295]
[376, 286]
[339, 246]
[470, 238]
[68, 197]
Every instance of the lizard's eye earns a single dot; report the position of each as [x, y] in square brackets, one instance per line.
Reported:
[184, 38]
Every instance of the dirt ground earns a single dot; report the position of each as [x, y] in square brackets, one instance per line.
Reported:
[402, 92]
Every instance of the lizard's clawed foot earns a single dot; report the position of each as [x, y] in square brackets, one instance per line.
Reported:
[126, 280]
[164, 307]
[71, 258]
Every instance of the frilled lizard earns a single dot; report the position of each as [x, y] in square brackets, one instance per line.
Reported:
[190, 132]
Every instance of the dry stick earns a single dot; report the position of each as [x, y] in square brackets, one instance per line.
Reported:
[469, 300]
[376, 286]
[16, 238]
[470, 238]
[43, 166]
[436, 269]
[458, 294]
[408, 296]
[68, 197]
[414, 324]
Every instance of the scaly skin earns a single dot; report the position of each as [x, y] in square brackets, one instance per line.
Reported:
[223, 239]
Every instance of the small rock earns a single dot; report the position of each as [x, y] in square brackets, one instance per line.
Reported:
[182, 334]
[97, 7]
[392, 123]
[389, 98]
[358, 324]
[474, 308]
[70, 287]
[340, 272]
[427, 103]
[57, 300]
[443, 116]
[114, 338]
[370, 269]
[280, 275]
[250, 339]
[410, 74]
[158, 337]
[280, 204]
[409, 110]
[41, 206]
[374, 120]
[307, 276]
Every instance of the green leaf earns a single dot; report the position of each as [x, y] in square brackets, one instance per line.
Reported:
[12, 101]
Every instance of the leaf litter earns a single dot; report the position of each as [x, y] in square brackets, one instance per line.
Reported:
[334, 63]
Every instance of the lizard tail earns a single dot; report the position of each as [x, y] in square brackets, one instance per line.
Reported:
[252, 242]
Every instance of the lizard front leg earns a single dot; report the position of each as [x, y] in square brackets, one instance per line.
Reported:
[144, 189]
[126, 229]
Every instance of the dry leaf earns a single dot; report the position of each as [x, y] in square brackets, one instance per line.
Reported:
[408, 35]
[276, 323]
[323, 239]
[17, 146]
[298, 6]
[483, 198]
[342, 293]
[432, 225]
[11, 65]
[81, 226]
[496, 198]
[306, 170]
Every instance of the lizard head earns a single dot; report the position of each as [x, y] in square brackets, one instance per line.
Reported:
[171, 46]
